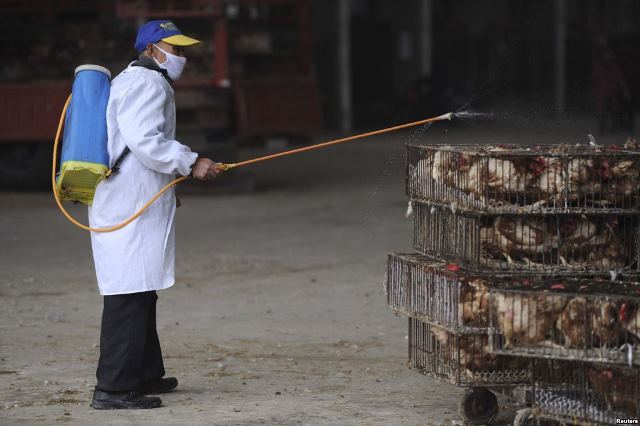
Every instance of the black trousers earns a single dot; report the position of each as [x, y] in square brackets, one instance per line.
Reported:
[129, 347]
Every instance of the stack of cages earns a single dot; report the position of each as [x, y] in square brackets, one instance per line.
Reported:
[503, 217]
[584, 338]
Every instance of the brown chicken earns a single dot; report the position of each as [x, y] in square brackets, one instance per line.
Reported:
[474, 303]
[619, 387]
[572, 323]
[608, 256]
[590, 323]
[526, 320]
[474, 353]
[469, 351]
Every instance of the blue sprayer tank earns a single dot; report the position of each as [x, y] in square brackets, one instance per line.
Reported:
[85, 159]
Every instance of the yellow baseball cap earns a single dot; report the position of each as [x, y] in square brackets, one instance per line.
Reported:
[181, 40]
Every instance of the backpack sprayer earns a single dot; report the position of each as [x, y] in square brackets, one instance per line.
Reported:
[85, 162]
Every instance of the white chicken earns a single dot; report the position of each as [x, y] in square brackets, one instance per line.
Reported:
[557, 173]
[551, 179]
[503, 176]
[523, 236]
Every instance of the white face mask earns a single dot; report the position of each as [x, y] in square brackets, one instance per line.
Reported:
[174, 64]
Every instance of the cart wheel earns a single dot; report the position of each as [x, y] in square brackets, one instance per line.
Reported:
[524, 418]
[478, 406]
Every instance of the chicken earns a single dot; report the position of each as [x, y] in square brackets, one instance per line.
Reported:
[474, 303]
[449, 168]
[618, 387]
[474, 354]
[590, 323]
[587, 245]
[605, 323]
[619, 191]
[469, 351]
[551, 180]
[557, 173]
[625, 168]
[612, 255]
[579, 233]
[441, 335]
[528, 236]
[579, 171]
[441, 169]
[572, 323]
[502, 175]
[526, 320]
[630, 317]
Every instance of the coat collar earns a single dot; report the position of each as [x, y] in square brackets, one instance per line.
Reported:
[150, 64]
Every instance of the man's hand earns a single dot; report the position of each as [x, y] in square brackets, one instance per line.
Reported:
[206, 169]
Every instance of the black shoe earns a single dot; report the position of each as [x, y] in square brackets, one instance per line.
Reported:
[157, 386]
[123, 400]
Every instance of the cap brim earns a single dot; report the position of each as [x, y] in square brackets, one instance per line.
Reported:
[181, 40]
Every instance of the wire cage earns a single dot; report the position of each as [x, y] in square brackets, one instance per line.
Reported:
[514, 179]
[585, 393]
[588, 320]
[461, 358]
[444, 294]
[528, 242]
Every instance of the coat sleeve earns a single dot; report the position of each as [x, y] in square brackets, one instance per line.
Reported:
[141, 121]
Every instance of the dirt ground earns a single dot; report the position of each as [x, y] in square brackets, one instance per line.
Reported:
[278, 315]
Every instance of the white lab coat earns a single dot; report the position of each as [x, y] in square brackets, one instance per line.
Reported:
[141, 256]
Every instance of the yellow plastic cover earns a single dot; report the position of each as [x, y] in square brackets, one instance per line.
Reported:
[77, 181]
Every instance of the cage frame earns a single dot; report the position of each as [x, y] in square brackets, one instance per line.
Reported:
[524, 198]
[437, 292]
[454, 236]
[589, 295]
[425, 357]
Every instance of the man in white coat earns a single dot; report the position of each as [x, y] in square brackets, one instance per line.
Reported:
[135, 261]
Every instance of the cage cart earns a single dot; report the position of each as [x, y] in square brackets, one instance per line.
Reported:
[492, 218]
[448, 339]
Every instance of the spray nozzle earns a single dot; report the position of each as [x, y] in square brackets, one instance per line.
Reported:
[447, 116]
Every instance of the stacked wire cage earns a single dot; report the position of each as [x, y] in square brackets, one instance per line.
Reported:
[496, 218]
[584, 337]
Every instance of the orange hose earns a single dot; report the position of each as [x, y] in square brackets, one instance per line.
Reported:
[337, 141]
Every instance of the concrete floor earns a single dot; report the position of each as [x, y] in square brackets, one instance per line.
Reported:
[278, 315]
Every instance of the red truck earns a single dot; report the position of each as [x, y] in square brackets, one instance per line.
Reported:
[253, 76]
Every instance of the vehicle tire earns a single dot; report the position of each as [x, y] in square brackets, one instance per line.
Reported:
[25, 166]
[478, 406]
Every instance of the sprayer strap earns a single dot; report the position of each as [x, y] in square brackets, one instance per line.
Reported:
[116, 164]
